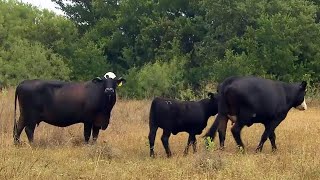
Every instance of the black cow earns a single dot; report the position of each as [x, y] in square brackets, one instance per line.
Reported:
[175, 116]
[248, 100]
[65, 103]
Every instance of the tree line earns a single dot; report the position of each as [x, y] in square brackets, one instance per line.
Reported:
[174, 48]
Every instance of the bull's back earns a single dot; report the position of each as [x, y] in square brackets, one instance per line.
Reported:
[261, 96]
[37, 99]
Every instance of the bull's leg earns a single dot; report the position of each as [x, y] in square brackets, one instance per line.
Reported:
[191, 140]
[244, 118]
[236, 131]
[272, 139]
[87, 131]
[264, 137]
[222, 130]
[152, 137]
[269, 128]
[165, 141]
[194, 145]
[29, 129]
[18, 129]
[95, 133]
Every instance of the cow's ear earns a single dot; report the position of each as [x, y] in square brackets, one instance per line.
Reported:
[120, 81]
[210, 95]
[96, 79]
[303, 85]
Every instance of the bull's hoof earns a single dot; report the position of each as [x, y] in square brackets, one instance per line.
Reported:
[185, 153]
[274, 150]
[17, 143]
[259, 149]
[221, 148]
[169, 155]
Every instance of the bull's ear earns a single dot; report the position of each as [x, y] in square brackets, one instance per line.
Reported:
[210, 95]
[96, 79]
[120, 81]
[303, 85]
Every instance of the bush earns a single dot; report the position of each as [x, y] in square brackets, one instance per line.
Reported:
[157, 79]
[20, 59]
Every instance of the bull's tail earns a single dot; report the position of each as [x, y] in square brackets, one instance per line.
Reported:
[152, 114]
[15, 116]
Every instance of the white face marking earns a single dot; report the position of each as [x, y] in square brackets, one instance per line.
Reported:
[110, 75]
[232, 118]
[302, 106]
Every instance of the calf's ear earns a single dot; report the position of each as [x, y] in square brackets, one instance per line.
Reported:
[96, 79]
[303, 85]
[120, 81]
[210, 95]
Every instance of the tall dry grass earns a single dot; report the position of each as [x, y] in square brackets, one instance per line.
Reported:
[122, 150]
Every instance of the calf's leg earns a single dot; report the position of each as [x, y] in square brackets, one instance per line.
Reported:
[165, 141]
[191, 140]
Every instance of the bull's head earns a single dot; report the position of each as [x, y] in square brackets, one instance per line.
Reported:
[109, 83]
[300, 102]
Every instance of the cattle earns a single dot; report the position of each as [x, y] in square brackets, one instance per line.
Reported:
[175, 116]
[65, 103]
[247, 100]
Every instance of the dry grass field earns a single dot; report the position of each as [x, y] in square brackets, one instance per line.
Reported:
[122, 150]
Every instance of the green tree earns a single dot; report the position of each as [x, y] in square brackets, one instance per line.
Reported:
[21, 60]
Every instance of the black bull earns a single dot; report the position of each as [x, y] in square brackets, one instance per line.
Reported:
[249, 100]
[65, 103]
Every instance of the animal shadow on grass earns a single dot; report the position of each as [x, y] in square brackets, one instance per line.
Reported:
[103, 152]
[207, 161]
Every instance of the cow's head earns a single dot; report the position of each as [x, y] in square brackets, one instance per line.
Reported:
[109, 83]
[213, 103]
[300, 102]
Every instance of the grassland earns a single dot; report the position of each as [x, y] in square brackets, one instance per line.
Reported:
[122, 150]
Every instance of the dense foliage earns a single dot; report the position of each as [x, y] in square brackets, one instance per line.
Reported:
[162, 47]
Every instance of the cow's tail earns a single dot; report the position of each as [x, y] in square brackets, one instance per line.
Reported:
[213, 129]
[15, 114]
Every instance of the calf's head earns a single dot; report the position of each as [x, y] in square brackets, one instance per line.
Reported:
[299, 102]
[213, 103]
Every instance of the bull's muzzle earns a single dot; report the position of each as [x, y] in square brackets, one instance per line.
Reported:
[109, 90]
[302, 106]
